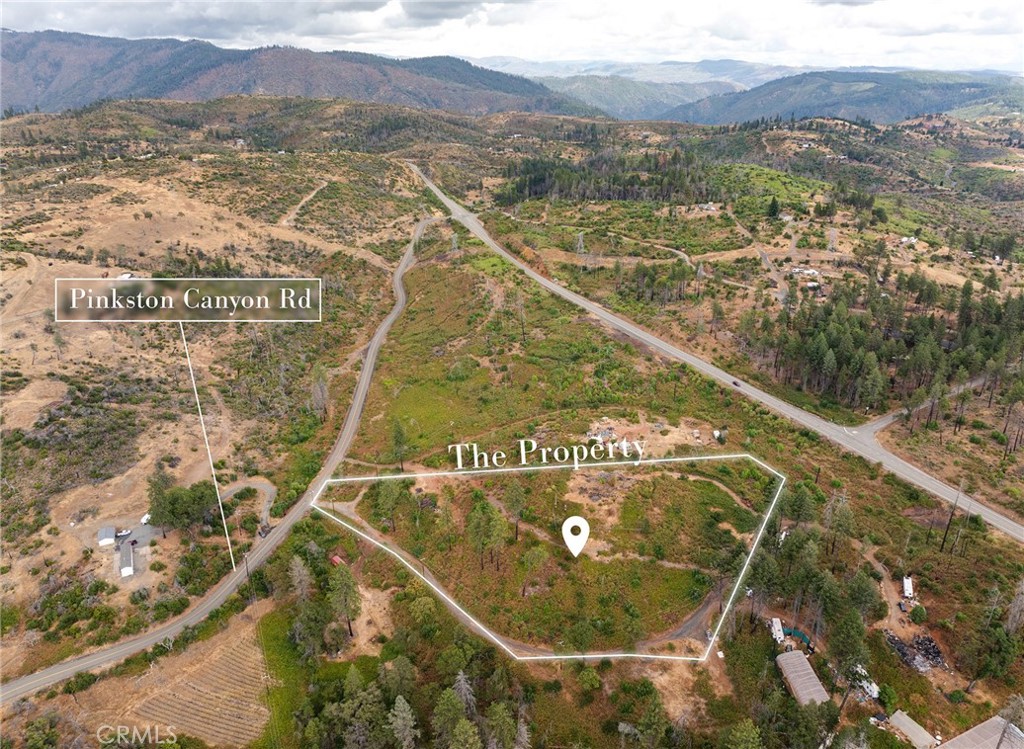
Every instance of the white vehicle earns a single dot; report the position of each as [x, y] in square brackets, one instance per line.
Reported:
[145, 519]
[123, 533]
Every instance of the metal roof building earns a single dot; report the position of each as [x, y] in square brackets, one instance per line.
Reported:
[105, 537]
[800, 678]
[986, 736]
[908, 587]
[914, 731]
[127, 560]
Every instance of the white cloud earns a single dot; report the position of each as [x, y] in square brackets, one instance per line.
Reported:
[944, 34]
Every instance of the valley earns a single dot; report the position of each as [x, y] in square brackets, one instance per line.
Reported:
[523, 280]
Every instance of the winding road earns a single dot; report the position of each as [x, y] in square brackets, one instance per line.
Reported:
[858, 440]
[26, 685]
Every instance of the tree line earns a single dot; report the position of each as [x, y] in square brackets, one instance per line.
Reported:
[678, 176]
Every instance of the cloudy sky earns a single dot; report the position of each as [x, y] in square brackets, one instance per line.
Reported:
[936, 34]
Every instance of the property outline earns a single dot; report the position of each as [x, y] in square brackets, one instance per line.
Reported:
[495, 637]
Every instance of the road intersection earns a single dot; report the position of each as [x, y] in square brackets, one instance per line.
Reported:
[860, 441]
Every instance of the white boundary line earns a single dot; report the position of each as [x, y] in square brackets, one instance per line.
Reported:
[495, 638]
[206, 440]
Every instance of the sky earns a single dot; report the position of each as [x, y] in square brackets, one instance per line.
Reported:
[932, 34]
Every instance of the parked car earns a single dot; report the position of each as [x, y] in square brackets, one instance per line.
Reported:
[123, 533]
[264, 530]
[145, 519]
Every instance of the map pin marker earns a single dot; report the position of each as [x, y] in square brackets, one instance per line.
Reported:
[575, 531]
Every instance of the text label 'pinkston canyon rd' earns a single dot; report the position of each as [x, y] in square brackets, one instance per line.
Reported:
[187, 300]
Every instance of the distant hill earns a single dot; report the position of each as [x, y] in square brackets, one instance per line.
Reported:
[880, 97]
[54, 71]
[630, 99]
[738, 72]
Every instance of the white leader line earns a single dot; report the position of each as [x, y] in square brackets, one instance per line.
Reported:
[209, 454]
[497, 639]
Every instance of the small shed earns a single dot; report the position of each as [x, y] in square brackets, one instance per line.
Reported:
[127, 560]
[987, 735]
[918, 737]
[800, 678]
[105, 537]
[908, 587]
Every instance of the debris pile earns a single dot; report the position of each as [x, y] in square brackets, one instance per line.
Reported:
[909, 654]
[929, 650]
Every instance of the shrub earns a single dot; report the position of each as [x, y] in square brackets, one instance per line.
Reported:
[158, 566]
[918, 614]
[168, 607]
[957, 696]
[888, 697]
[250, 523]
[247, 493]
[589, 680]
[80, 681]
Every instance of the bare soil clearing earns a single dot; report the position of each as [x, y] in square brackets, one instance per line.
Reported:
[215, 691]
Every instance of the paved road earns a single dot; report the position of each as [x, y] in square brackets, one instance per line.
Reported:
[259, 554]
[859, 441]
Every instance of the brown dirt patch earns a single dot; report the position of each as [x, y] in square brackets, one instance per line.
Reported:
[374, 620]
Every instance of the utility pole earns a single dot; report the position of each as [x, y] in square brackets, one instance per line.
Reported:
[951, 514]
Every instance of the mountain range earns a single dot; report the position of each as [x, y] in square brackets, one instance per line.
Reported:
[880, 97]
[55, 70]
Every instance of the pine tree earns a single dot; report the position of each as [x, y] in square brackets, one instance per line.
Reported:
[522, 735]
[501, 725]
[515, 501]
[399, 442]
[403, 723]
[478, 527]
[388, 493]
[448, 711]
[343, 595]
[497, 536]
[465, 736]
[464, 691]
[744, 735]
[301, 579]
[353, 683]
